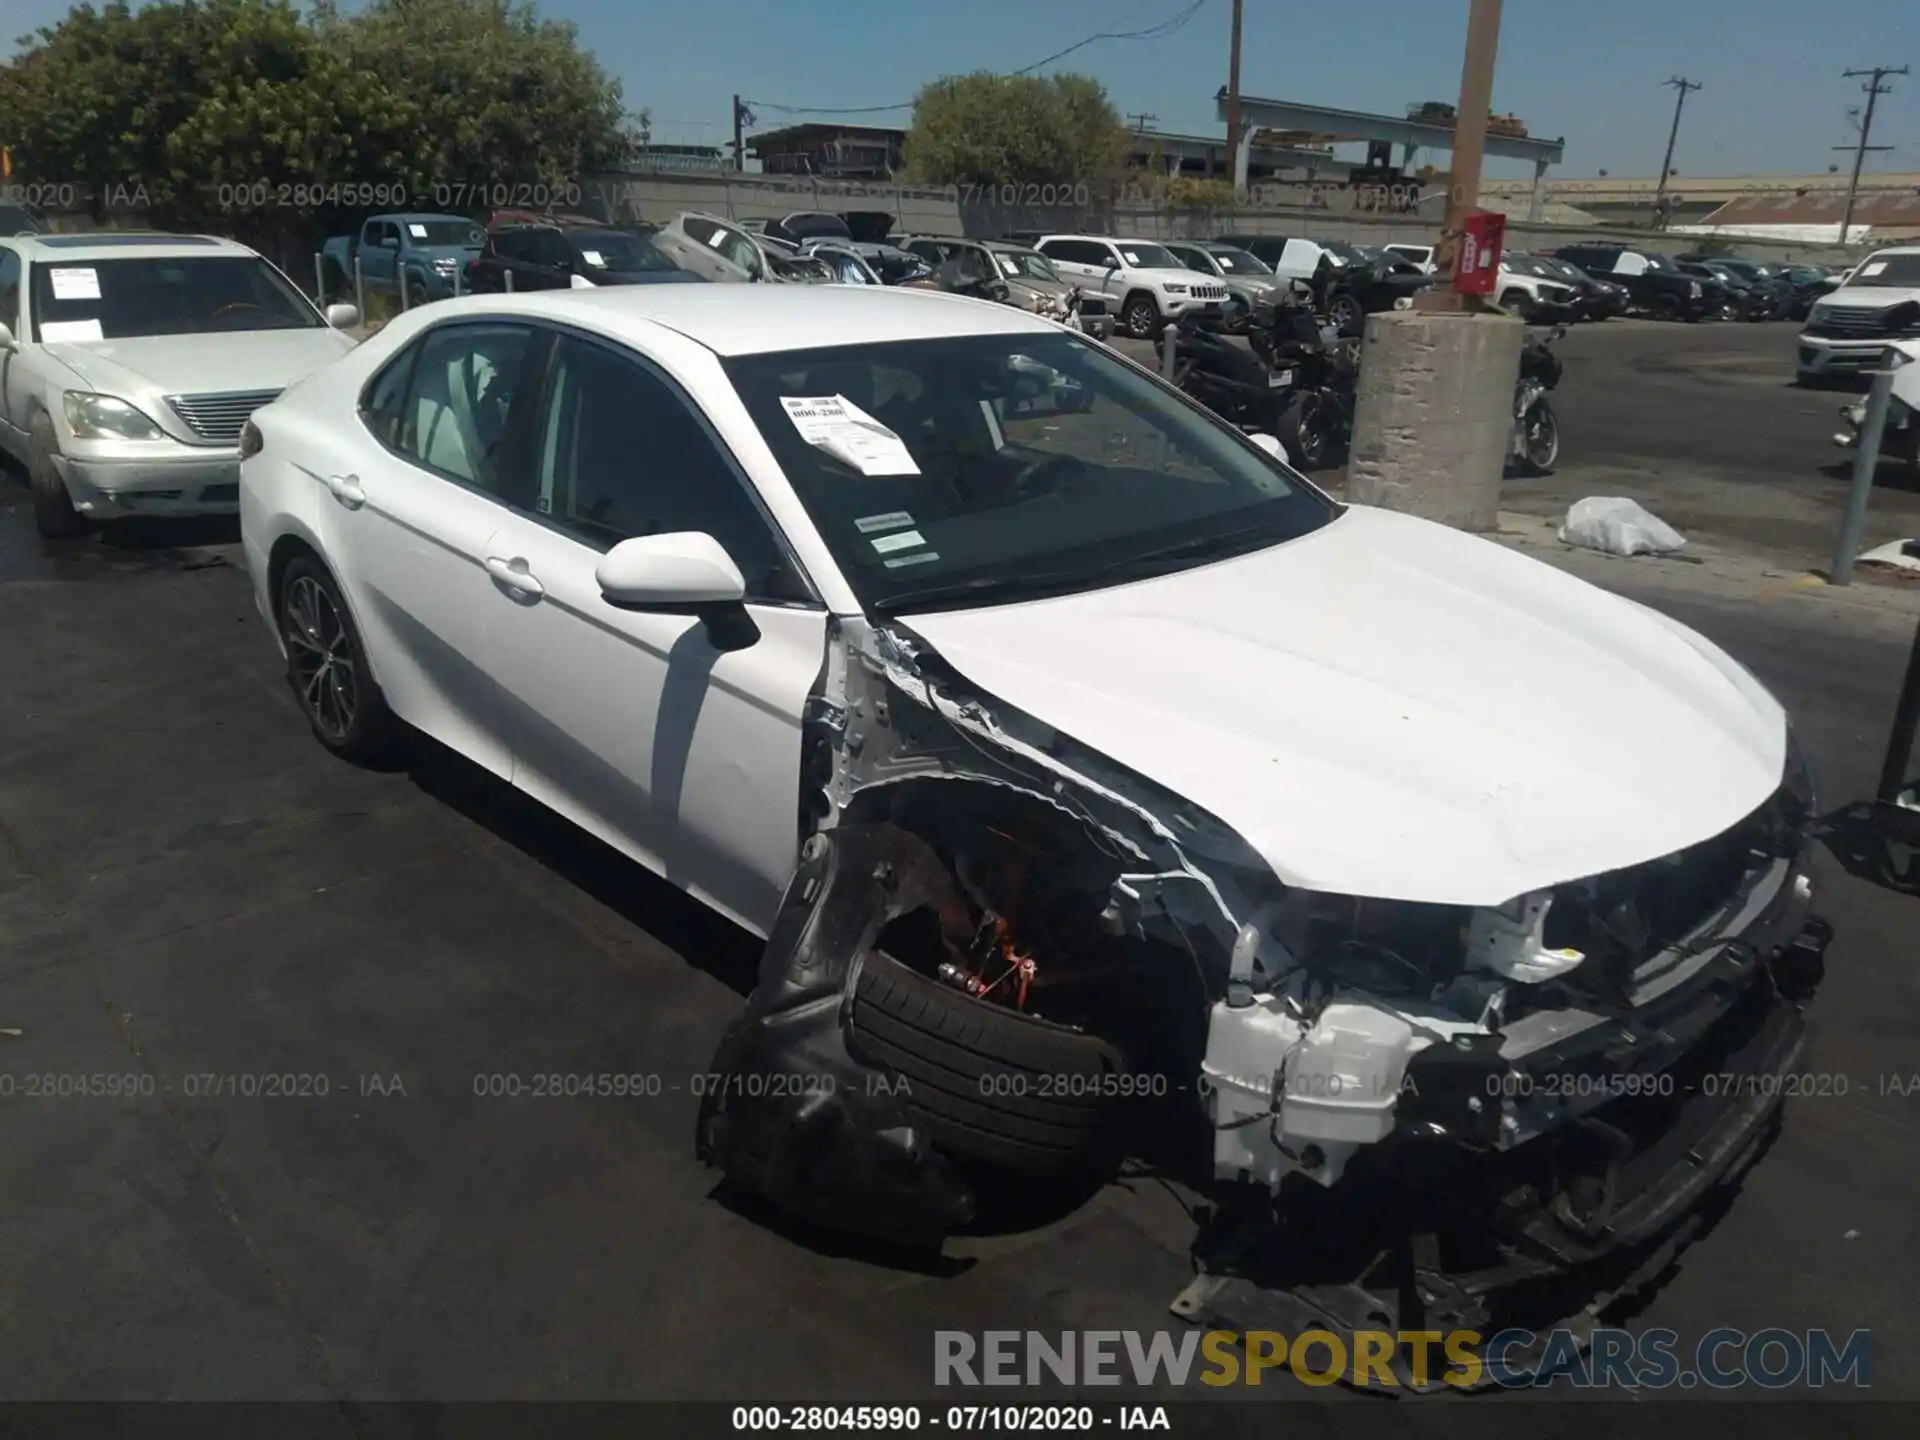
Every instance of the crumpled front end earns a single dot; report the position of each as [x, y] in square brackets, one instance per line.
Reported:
[997, 935]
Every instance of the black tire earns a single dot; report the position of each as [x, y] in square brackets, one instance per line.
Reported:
[1141, 316]
[412, 293]
[975, 1070]
[1665, 307]
[1543, 443]
[1346, 314]
[1309, 446]
[54, 514]
[327, 668]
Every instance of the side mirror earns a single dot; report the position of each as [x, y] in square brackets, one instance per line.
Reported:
[1271, 445]
[7, 342]
[684, 568]
[343, 317]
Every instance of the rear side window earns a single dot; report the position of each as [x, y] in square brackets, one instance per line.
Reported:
[386, 398]
[460, 394]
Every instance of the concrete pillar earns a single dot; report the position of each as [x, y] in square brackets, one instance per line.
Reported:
[1409, 153]
[1435, 415]
[1537, 204]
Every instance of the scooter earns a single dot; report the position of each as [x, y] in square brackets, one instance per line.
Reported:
[1536, 429]
[1900, 439]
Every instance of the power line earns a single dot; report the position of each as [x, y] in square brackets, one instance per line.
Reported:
[1874, 90]
[1158, 31]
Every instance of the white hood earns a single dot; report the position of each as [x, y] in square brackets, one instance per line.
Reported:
[1870, 297]
[1394, 709]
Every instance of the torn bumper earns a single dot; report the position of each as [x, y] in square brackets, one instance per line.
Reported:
[795, 1117]
[1443, 1236]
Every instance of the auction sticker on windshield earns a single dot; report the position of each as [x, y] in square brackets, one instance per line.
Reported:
[419, 232]
[592, 257]
[72, 284]
[836, 425]
[1873, 269]
[52, 332]
[892, 520]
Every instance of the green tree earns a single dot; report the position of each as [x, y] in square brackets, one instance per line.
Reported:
[987, 130]
[253, 118]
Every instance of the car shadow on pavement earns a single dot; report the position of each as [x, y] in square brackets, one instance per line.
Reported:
[634, 893]
[1875, 842]
[1888, 475]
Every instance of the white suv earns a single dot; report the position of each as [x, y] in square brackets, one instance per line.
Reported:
[1142, 280]
[1849, 330]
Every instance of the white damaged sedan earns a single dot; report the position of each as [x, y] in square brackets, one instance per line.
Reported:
[1076, 757]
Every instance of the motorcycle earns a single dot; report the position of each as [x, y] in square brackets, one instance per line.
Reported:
[1536, 430]
[1239, 385]
[1318, 371]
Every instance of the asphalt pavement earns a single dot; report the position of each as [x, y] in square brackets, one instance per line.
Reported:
[306, 973]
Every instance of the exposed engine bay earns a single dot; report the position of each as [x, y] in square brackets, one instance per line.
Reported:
[1005, 948]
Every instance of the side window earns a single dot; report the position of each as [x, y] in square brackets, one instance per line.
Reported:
[1059, 250]
[974, 262]
[511, 244]
[385, 400]
[460, 393]
[701, 230]
[619, 453]
[550, 248]
[10, 271]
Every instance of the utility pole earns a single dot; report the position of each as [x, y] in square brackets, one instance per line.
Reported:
[1233, 96]
[739, 139]
[1874, 90]
[1143, 117]
[1681, 84]
[1469, 148]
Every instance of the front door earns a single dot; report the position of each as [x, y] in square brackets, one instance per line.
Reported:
[415, 493]
[674, 742]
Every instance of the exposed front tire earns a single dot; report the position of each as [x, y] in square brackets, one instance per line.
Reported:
[1346, 314]
[1141, 316]
[412, 292]
[991, 1084]
[1305, 430]
[54, 514]
[1540, 443]
[327, 667]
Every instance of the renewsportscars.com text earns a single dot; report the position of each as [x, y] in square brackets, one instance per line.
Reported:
[1658, 1359]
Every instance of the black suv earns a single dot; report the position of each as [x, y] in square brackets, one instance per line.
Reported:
[541, 254]
[1655, 283]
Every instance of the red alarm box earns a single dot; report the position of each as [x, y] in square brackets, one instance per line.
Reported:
[1483, 234]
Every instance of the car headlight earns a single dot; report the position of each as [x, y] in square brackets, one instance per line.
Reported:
[1818, 315]
[1904, 318]
[107, 417]
[1173, 289]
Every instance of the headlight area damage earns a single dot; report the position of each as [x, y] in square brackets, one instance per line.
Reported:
[1002, 950]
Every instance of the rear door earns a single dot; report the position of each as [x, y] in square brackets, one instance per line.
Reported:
[418, 487]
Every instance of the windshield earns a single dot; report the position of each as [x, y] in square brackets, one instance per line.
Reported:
[1664, 264]
[1885, 269]
[980, 469]
[816, 225]
[126, 297]
[1240, 262]
[1143, 256]
[622, 253]
[1027, 265]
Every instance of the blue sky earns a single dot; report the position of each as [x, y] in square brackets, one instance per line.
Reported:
[1590, 70]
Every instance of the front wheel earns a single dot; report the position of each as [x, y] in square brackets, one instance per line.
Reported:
[1346, 314]
[54, 514]
[1142, 317]
[412, 292]
[327, 666]
[1540, 438]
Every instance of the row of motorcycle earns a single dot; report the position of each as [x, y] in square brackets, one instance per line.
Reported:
[1298, 380]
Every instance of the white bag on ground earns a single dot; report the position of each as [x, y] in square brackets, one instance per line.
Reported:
[1619, 526]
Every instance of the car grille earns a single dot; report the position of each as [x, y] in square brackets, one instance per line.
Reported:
[1849, 320]
[218, 418]
[1556, 294]
[1209, 292]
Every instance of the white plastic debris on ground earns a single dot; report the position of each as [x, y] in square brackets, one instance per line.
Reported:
[1619, 527]
[1901, 555]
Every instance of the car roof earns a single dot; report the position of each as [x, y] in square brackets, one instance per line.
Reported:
[123, 244]
[756, 319]
[1897, 250]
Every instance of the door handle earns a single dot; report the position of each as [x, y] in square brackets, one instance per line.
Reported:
[515, 575]
[346, 489]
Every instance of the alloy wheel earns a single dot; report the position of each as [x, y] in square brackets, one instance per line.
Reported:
[320, 655]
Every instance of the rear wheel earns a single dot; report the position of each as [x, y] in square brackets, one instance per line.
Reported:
[1306, 429]
[327, 667]
[54, 514]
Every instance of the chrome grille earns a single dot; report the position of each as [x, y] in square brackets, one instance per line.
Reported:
[218, 418]
[1849, 320]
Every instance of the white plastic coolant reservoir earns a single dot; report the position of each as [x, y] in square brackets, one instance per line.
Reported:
[1344, 1080]
[1246, 1049]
